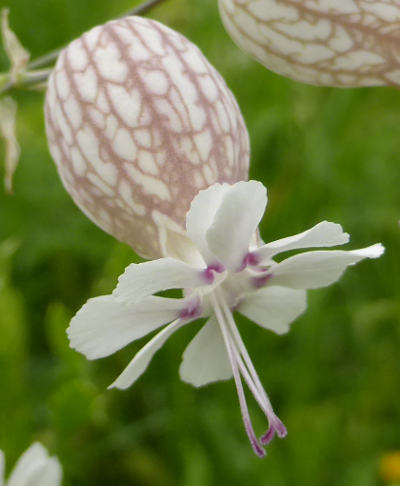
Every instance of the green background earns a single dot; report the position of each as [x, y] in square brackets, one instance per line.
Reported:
[334, 379]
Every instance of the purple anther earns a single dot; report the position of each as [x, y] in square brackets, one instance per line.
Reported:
[259, 282]
[217, 267]
[251, 259]
[211, 270]
[268, 436]
[192, 311]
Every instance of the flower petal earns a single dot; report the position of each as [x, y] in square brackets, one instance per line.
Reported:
[104, 325]
[235, 222]
[28, 463]
[274, 308]
[36, 468]
[143, 279]
[142, 359]
[319, 268]
[205, 359]
[49, 474]
[201, 216]
[2, 467]
[323, 234]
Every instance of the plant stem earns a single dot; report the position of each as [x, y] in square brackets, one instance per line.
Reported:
[44, 60]
[30, 79]
[143, 8]
[33, 78]
[52, 56]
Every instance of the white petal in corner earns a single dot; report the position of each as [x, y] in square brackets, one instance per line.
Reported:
[49, 475]
[143, 279]
[104, 325]
[324, 234]
[274, 308]
[236, 221]
[2, 467]
[205, 359]
[319, 268]
[30, 461]
[142, 359]
[201, 215]
[36, 468]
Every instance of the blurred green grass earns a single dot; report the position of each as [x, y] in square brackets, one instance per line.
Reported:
[334, 379]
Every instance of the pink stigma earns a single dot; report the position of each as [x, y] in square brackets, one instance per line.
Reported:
[259, 282]
[192, 311]
[251, 260]
[209, 272]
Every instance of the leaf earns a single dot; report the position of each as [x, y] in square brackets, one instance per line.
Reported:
[16, 53]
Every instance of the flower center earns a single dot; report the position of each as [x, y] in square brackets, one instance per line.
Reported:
[193, 310]
[250, 260]
[211, 270]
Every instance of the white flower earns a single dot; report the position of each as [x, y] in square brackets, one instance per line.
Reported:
[229, 269]
[34, 468]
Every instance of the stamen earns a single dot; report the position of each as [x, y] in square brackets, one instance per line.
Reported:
[257, 448]
[245, 414]
[248, 379]
[253, 381]
[276, 425]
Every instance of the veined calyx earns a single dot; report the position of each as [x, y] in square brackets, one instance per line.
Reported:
[344, 43]
[138, 122]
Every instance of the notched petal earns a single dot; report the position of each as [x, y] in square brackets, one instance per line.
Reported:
[319, 268]
[324, 234]
[36, 468]
[274, 308]
[144, 279]
[201, 216]
[104, 325]
[205, 359]
[142, 359]
[235, 222]
[2, 467]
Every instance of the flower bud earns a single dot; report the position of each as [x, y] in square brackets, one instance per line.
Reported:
[344, 43]
[138, 122]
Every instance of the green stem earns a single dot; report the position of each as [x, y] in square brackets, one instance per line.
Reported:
[52, 56]
[31, 78]
[27, 80]
[44, 60]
